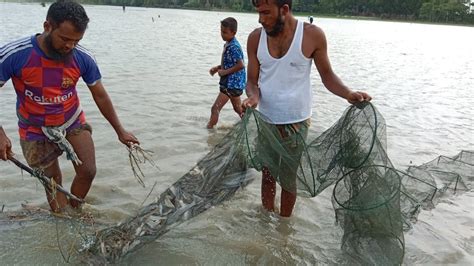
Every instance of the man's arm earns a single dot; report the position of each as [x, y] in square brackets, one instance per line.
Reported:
[253, 71]
[105, 106]
[5, 145]
[330, 80]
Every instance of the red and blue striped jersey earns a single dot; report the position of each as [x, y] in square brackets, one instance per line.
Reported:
[45, 88]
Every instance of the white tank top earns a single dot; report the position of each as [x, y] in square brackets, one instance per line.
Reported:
[285, 87]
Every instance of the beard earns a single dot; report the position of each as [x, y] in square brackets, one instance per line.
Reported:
[54, 53]
[277, 28]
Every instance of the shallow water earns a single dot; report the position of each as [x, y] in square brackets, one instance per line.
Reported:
[420, 76]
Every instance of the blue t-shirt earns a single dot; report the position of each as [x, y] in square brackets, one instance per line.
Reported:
[231, 55]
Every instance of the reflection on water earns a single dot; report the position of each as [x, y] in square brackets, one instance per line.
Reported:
[157, 76]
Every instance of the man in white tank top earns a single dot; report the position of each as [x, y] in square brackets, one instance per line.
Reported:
[280, 55]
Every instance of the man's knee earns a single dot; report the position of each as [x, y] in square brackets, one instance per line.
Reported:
[289, 191]
[267, 177]
[87, 173]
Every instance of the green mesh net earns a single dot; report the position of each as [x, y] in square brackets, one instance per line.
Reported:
[373, 202]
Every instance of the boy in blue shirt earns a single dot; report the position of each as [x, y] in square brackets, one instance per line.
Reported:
[231, 70]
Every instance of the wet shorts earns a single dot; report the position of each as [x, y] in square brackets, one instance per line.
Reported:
[41, 154]
[231, 92]
[280, 148]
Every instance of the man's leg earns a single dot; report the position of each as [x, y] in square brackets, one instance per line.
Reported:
[44, 155]
[287, 180]
[288, 200]
[57, 200]
[268, 190]
[84, 147]
[294, 136]
[221, 100]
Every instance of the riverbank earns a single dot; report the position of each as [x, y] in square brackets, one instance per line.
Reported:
[389, 18]
[315, 16]
[333, 16]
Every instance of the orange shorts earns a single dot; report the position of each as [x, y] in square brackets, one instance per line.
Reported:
[41, 154]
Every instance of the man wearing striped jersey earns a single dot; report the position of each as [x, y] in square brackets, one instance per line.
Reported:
[44, 70]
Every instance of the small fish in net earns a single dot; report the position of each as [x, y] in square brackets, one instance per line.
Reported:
[374, 202]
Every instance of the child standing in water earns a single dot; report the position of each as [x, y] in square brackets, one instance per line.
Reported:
[231, 71]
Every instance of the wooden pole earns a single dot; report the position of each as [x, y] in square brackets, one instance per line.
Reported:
[44, 179]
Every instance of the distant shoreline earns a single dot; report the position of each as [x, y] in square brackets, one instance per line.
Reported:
[315, 16]
[307, 14]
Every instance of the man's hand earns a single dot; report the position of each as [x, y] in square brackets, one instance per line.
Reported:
[250, 102]
[5, 146]
[358, 96]
[127, 138]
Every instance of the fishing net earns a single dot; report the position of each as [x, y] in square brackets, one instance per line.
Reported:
[214, 179]
[373, 202]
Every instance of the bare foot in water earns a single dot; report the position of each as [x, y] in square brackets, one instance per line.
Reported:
[210, 126]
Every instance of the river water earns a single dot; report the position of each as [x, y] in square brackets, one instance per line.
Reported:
[155, 66]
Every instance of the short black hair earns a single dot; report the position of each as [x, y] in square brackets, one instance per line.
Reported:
[230, 23]
[68, 10]
[279, 3]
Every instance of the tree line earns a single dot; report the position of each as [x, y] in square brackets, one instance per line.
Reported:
[438, 11]
[447, 11]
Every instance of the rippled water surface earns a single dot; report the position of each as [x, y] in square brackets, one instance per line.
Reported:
[420, 76]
